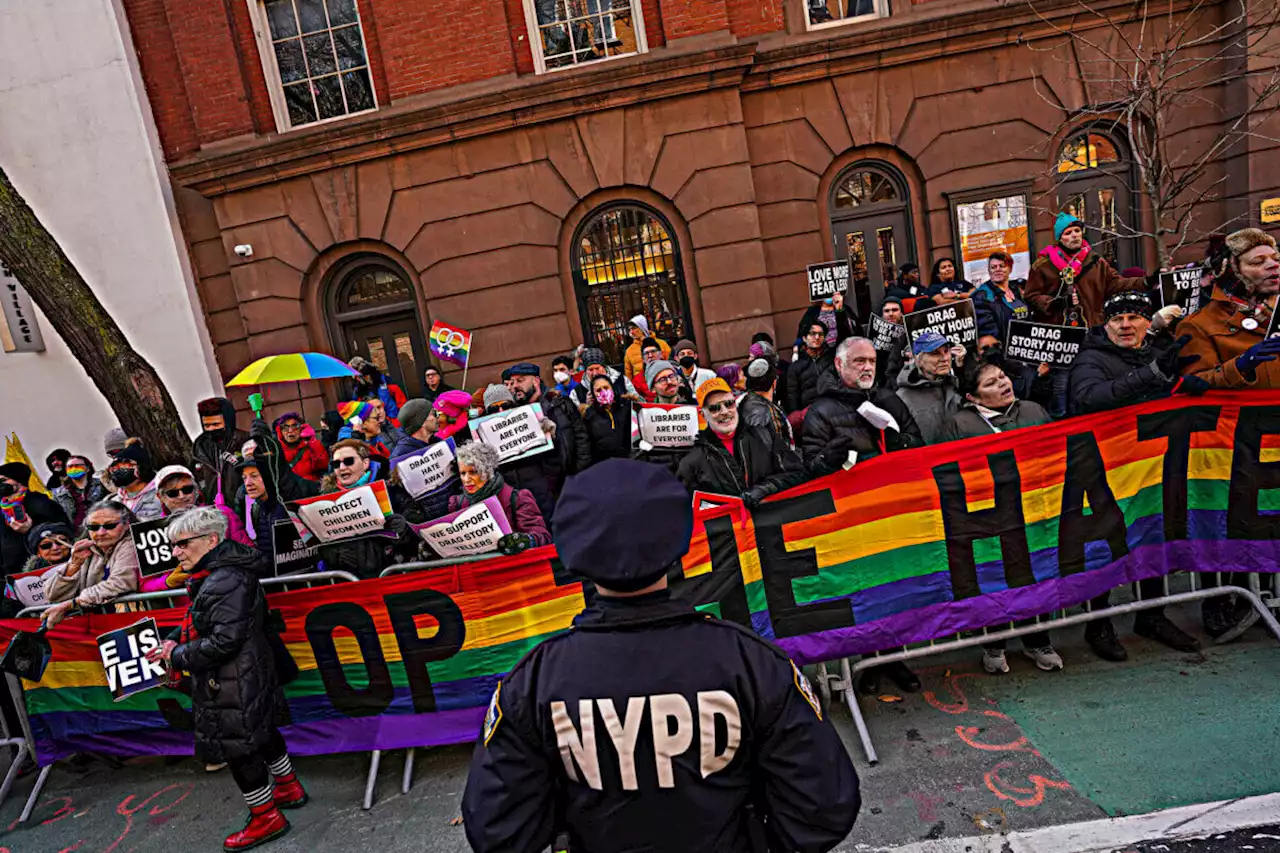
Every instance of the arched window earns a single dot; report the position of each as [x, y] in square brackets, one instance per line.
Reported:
[1094, 175]
[626, 261]
[871, 226]
[374, 313]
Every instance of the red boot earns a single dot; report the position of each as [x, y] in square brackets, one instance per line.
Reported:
[265, 823]
[290, 794]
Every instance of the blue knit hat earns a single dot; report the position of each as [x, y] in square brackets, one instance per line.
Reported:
[1063, 222]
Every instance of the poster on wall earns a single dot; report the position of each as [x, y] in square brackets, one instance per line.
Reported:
[994, 225]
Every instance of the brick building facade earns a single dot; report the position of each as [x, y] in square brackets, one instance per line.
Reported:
[536, 171]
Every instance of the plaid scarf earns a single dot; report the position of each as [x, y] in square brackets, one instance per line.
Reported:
[187, 633]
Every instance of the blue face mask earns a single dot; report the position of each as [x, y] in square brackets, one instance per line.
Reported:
[828, 301]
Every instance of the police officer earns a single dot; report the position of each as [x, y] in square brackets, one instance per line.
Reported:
[649, 725]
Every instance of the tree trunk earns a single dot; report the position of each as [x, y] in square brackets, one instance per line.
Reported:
[131, 386]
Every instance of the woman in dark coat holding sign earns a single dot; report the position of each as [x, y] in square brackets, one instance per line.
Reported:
[478, 468]
[223, 644]
[608, 420]
[366, 556]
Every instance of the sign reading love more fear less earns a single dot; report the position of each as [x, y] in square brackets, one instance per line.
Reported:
[346, 515]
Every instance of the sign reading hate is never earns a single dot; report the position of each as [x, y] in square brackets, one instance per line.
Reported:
[514, 434]
[663, 425]
[474, 530]
[1043, 343]
[956, 322]
[826, 280]
[151, 538]
[124, 658]
[356, 512]
[426, 470]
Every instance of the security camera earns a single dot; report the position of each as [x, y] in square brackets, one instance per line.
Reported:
[244, 250]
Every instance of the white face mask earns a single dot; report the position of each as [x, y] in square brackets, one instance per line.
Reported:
[560, 377]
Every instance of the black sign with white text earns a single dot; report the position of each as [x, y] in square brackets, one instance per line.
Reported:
[828, 279]
[124, 658]
[956, 322]
[885, 336]
[292, 556]
[1043, 343]
[1181, 287]
[151, 538]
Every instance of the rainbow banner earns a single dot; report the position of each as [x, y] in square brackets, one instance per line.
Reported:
[900, 549]
[450, 344]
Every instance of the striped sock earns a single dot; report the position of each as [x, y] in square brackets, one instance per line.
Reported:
[282, 768]
[260, 797]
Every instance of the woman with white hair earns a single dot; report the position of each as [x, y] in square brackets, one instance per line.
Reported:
[223, 644]
[478, 470]
[101, 569]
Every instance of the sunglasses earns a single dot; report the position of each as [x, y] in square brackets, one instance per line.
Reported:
[181, 491]
[345, 462]
[284, 427]
[182, 544]
[106, 525]
[500, 407]
[717, 408]
[50, 544]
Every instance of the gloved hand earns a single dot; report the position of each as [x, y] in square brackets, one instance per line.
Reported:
[1171, 362]
[753, 496]
[1165, 317]
[1191, 385]
[514, 543]
[1257, 355]
[833, 456]
[261, 429]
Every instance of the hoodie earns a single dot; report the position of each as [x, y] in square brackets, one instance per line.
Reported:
[216, 457]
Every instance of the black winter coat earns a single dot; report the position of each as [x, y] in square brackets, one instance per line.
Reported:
[760, 413]
[802, 377]
[760, 460]
[13, 544]
[233, 673]
[543, 475]
[1105, 376]
[833, 423]
[212, 459]
[609, 429]
[846, 323]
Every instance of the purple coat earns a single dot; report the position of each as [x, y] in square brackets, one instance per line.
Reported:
[527, 518]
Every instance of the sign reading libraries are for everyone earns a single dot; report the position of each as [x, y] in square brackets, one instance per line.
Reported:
[514, 434]
[663, 425]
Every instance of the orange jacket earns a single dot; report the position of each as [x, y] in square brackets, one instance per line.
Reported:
[633, 361]
[1218, 338]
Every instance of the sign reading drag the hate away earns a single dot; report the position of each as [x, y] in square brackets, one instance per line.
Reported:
[152, 541]
[664, 425]
[474, 530]
[428, 469]
[956, 322]
[514, 434]
[346, 515]
[124, 658]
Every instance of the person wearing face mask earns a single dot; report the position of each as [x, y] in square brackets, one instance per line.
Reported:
[608, 421]
[101, 568]
[593, 364]
[216, 450]
[481, 480]
[366, 557]
[80, 489]
[56, 462]
[685, 353]
[22, 510]
[731, 458]
[562, 375]
[131, 473]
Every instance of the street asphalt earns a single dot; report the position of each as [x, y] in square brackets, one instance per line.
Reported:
[964, 757]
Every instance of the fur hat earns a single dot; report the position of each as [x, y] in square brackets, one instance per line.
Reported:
[1239, 242]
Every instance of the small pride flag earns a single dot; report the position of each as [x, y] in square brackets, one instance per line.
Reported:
[450, 344]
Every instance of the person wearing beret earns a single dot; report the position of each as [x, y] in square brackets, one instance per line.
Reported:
[22, 510]
[650, 725]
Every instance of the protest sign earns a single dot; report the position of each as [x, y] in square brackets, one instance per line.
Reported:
[993, 225]
[1273, 329]
[516, 434]
[346, 515]
[1181, 287]
[956, 322]
[28, 587]
[124, 659]
[151, 538]
[426, 470]
[1044, 343]
[474, 530]
[826, 280]
[664, 425]
[291, 555]
[885, 336]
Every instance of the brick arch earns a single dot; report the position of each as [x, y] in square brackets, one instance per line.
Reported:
[906, 166]
[680, 230]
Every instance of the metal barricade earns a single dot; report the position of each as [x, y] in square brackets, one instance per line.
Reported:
[419, 565]
[1199, 590]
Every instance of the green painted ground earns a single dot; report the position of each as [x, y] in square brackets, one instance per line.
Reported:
[1166, 731]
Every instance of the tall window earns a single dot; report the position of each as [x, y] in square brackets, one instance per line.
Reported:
[316, 50]
[820, 14]
[573, 32]
[626, 262]
[1094, 175]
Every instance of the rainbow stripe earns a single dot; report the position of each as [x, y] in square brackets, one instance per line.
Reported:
[450, 344]
[869, 545]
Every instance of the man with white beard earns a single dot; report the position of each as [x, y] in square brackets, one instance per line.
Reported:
[731, 458]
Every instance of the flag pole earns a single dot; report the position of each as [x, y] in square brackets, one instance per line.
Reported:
[467, 363]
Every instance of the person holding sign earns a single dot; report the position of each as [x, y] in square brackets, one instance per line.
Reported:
[21, 510]
[572, 448]
[478, 470]
[837, 319]
[102, 567]
[223, 644]
[608, 420]
[731, 458]
[365, 557]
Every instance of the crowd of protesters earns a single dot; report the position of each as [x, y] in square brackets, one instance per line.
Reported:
[823, 401]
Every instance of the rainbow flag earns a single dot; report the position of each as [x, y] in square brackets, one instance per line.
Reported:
[900, 549]
[450, 344]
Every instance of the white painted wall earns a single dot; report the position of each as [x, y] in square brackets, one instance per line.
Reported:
[78, 141]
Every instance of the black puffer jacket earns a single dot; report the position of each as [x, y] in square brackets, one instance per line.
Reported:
[233, 673]
[543, 475]
[833, 424]
[802, 377]
[213, 459]
[609, 428]
[760, 461]
[760, 413]
[1105, 376]
[13, 543]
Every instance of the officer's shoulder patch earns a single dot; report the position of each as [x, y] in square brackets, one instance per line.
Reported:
[802, 684]
[493, 716]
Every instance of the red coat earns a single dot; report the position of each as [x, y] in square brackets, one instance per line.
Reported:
[307, 458]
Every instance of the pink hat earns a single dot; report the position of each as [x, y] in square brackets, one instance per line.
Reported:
[454, 405]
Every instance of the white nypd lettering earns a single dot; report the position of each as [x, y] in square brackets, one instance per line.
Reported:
[672, 724]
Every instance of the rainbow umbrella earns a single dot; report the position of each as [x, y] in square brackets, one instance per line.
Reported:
[294, 367]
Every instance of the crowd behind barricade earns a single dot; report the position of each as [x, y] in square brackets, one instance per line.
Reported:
[822, 402]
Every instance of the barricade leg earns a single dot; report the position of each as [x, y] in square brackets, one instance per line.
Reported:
[35, 793]
[375, 758]
[16, 767]
[851, 699]
[406, 782]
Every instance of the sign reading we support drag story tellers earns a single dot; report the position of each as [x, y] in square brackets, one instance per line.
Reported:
[1181, 287]
[956, 322]
[356, 512]
[152, 541]
[826, 280]
[667, 425]
[885, 336]
[514, 434]
[474, 530]
[1044, 343]
[428, 469]
[124, 659]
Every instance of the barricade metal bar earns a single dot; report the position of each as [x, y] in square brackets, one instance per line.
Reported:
[375, 759]
[14, 768]
[849, 672]
[406, 782]
[35, 793]
[400, 568]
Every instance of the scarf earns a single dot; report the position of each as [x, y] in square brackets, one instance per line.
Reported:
[485, 492]
[187, 633]
[9, 506]
[1068, 267]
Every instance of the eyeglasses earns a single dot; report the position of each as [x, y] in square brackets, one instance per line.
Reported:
[500, 407]
[290, 427]
[50, 544]
[106, 525]
[181, 491]
[345, 462]
[815, 334]
[181, 544]
[716, 408]
[665, 379]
